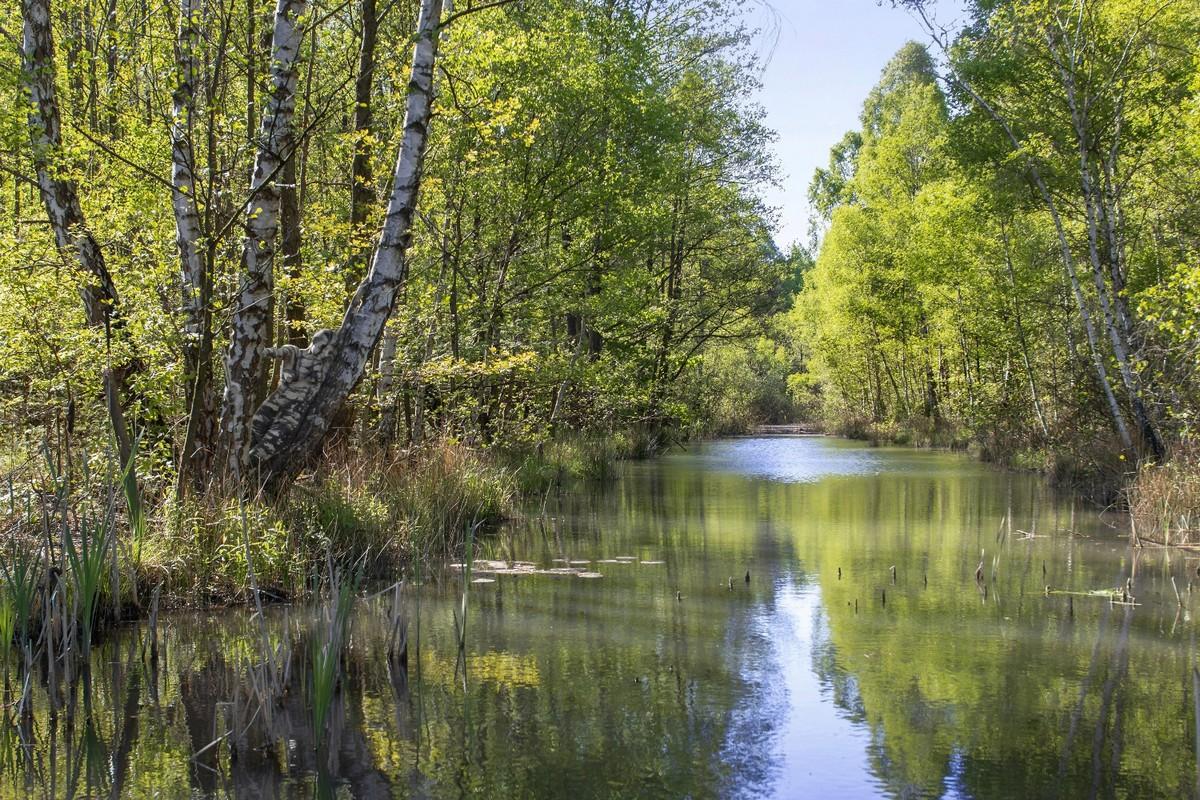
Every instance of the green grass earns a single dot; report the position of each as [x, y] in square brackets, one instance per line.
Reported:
[592, 457]
[87, 558]
[21, 572]
[385, 515]
[329, 637]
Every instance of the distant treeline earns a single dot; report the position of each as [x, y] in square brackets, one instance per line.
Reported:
[1009, 245]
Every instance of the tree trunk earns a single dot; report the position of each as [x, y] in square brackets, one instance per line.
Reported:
[1117, 318]
[1068, 259]
[61, 201]
[296, 417]
[197, 445]
[1012, 279]
[250, 335]
[290, 241]
[362, 191]
[293, 194]
[1035, 175]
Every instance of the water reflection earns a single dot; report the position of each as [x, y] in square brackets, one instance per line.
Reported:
[862, 658]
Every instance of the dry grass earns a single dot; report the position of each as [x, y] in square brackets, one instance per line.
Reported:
[1165, 499]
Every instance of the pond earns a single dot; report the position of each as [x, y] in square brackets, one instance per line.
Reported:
[774, 617]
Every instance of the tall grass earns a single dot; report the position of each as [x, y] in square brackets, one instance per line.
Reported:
[1164, 499]
[588, 457]
[443, 489]
[21, 571]
[87, 558]
[397, 508]
[329, 636]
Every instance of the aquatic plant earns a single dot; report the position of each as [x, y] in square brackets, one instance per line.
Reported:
[133, 500]
[460, 618]
[21, 573]
[329, 636]
[87, 556]
[398, 627]
[1164, 500]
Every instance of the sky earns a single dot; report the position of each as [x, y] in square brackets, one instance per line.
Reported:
[828, 55]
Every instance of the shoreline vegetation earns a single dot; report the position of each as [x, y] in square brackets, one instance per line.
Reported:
[1006, 252]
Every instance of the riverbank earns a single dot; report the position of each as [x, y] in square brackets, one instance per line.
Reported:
[1162, 499]
[381, 514]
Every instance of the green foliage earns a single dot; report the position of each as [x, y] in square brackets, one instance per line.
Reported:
[942, 310]
[21, 570]
[87, 550]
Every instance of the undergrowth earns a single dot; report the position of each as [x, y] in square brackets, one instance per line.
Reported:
[1164, 499]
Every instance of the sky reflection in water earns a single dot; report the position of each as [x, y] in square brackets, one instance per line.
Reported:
[826, 675]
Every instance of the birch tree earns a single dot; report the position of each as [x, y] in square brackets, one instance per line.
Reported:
[297, 415]
[194, 270]
[60, 198]
[251, 325]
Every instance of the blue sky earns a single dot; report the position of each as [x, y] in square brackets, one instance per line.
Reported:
[828, 55]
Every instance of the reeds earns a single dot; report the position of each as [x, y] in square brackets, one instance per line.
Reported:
[21, 572]
[329, 636]
[460, 616]
[397, 650]
[87, 557]
[1164, 499]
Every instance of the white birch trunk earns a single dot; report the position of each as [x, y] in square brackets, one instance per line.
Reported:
[1117, 318]
[61, 200]
[189, 234]
[386, 427]
[250, 334]
[296, 417]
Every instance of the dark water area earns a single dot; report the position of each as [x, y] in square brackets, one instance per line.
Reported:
[913, 625]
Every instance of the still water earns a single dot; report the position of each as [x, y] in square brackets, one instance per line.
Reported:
[776, 617]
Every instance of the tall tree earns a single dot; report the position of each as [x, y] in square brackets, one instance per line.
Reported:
[251, 326]
[194, 270]
[317, 380]
[61, 200]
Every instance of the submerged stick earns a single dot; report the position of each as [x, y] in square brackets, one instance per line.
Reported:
[1196, 711]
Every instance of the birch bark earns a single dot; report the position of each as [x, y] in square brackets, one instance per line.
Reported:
[1102, 241]
[250, 334]
[61, 200]
[295, 418]
[193, 267]
[1064, 246]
